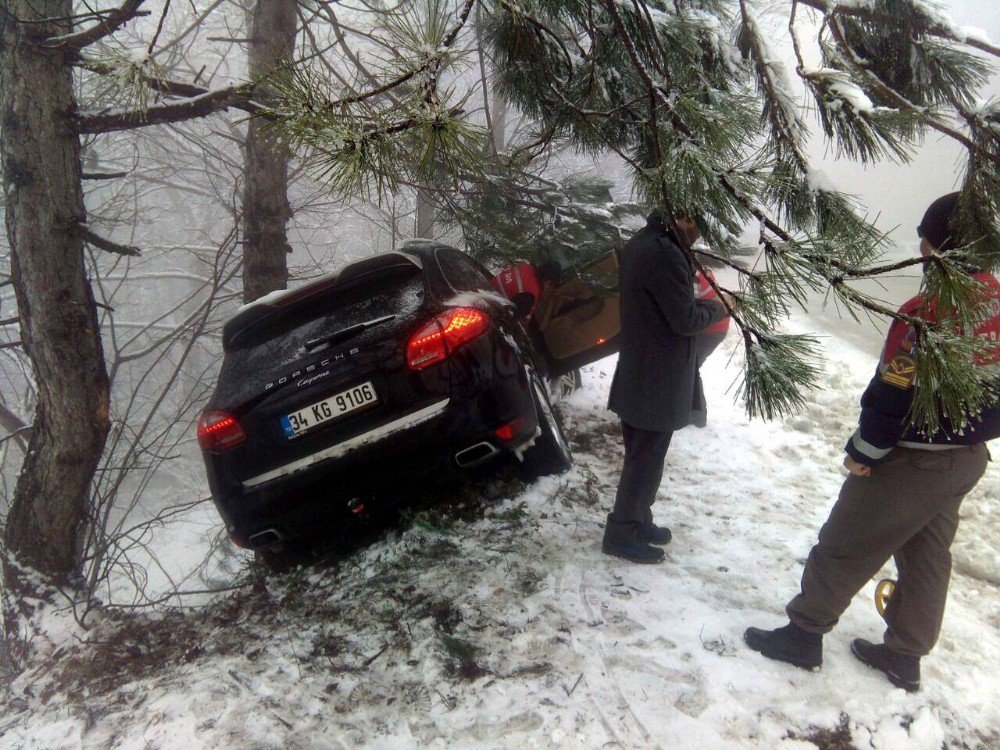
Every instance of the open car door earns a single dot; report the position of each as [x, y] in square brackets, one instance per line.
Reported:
[577, 321]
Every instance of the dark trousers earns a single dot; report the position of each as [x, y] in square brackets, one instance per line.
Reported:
[907, 509]
[707, 342]
[645, 452]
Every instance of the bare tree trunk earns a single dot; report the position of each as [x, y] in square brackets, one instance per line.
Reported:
[265, 194]
[426, 213]
[494, 104]
[59, 327]
[499, 122]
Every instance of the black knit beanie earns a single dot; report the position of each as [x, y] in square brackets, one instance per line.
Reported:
[936, 226]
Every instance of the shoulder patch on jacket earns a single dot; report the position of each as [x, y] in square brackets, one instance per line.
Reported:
[900, 372]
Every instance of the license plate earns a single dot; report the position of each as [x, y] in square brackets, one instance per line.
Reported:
[358, 397]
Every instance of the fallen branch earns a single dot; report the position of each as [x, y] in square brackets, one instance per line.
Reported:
[572, 689]
[371, 659]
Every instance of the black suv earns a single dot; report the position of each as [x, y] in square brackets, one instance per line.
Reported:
[397, 370]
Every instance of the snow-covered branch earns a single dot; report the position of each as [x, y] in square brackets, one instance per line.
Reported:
[938, 24]
[196, 106]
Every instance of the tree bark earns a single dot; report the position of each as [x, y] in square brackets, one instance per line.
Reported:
[426, 213]
[499, 122]
[58, 317]
[266, 209]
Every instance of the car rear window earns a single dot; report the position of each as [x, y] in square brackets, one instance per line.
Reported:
[461, 274]
[277, 340]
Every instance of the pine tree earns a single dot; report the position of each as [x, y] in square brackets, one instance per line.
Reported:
[561, 226]
[691, 96]
[509, 216]
[64, 77]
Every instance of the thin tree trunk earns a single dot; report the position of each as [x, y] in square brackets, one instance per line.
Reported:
[265, 194]
[499, 122]
[426, 213]
[59, 327]
[494, 104]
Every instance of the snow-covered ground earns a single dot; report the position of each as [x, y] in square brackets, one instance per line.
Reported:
[497, 622]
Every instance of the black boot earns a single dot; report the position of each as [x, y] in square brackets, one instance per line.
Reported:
[790, 644]
[623, 540]
[903, 671]
[650, 533]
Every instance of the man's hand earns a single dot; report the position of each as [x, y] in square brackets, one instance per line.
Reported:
[858, 470]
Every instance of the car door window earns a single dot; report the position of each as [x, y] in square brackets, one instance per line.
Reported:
[580, 318]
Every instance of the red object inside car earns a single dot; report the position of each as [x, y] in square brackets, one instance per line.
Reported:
[519, 284]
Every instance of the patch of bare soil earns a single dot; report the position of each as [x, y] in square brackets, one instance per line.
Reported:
[837, 738]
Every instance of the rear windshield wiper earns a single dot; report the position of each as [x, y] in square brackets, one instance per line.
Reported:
[345, 333]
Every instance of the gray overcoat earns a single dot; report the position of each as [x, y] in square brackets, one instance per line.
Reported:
[656, 385]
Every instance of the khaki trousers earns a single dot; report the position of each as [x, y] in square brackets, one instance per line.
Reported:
[907, 509]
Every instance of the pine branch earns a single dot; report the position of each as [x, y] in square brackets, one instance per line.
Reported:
[171, 87]
[682, 114]
[786, 126]
[777, 368]
[428, 64]
[899, 100]
[723, 261]
[188, 109]
[108, 25]
[935, 27]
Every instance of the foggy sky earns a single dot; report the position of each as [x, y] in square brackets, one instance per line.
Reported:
[899, 194]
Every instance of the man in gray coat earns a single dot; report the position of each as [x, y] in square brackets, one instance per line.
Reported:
[656, 388]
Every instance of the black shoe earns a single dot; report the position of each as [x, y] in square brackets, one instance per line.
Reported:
[790, 644]
[622, 540]
[650, 533]
[903, 671]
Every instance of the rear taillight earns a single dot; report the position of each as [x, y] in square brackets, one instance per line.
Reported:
[219, 431]
[444, 334]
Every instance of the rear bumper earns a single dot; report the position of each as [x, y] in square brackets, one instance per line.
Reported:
[382, 432]
[320, 491]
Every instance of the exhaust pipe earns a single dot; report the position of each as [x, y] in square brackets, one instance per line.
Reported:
[475, 454]
[265, 538]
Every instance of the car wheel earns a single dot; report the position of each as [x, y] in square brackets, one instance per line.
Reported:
[562, 386]
[550, 453]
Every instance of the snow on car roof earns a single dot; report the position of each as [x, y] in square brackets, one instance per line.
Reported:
[278, 295]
